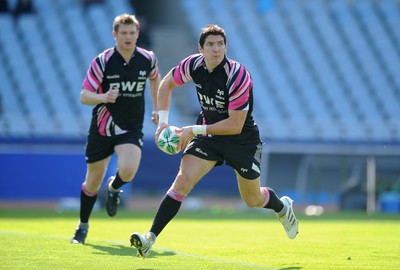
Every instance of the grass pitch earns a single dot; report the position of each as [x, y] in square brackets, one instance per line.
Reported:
[39, 239]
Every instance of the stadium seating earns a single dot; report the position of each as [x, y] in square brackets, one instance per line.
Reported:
[46, 58]
[322, 70]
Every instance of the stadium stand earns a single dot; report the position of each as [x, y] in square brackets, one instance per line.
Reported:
[46, 58]
[323, 70]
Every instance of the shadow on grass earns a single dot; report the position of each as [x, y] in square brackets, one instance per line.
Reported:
[290, 268]
[121, 250]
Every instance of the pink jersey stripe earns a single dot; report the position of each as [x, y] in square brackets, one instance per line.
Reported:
[181, 73]
[240, 90]
[95, 74]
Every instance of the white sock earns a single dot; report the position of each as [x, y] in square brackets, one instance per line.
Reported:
[82, 225]
[153, 236]
[110, 188]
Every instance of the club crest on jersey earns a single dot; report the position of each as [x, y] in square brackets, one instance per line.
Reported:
[220, 94]
[142, 75]
[198, 85]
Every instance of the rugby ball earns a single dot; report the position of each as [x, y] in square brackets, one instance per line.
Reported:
[168, 141]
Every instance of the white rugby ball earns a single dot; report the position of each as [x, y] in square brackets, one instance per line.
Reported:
[168, 141]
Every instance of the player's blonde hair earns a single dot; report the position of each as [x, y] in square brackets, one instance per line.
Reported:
[125, 19]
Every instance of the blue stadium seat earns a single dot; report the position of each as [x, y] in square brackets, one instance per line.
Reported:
[321, 70]
[332, 65]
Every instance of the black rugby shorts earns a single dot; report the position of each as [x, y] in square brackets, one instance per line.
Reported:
[244, 158]
[100, 147]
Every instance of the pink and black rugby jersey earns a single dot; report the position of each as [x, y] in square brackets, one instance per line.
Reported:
[228, 87]
[109, 70]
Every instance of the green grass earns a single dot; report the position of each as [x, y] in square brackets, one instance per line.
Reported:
[200, 240]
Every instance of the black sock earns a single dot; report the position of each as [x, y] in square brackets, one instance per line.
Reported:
[87, 204]
[169, 207]
[118, 182]
[274, 202]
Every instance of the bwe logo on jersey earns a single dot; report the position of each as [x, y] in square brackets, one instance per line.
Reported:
[211, 101]
[128, 86]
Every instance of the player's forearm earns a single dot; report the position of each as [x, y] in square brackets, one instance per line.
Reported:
[91, 98]
[153, 87]
[165, 92]
[232, 125]
[224, 127]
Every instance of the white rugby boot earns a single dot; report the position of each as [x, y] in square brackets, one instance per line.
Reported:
[289, 221]
[143, 243]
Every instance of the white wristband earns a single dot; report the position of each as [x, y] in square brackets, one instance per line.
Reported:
[199, 129]
[163, 117]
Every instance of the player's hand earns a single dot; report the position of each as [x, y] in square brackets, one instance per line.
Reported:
[158, 131]
[154, 117]
[185, 136]
[111, 96]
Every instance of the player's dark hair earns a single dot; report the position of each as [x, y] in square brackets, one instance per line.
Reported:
[211, 29]
[125, 19]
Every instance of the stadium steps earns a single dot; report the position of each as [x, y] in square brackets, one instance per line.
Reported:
[71, 30]
[288, 65]
[313, 86]
[389, 15]
[359, 82]
[315, 14]
[44, 113]
[15, 118]
[100, 22]
[63, 72]
[240, 48]
[363, 63]
[374, 66]
[382, 51]
[20, 83]
[331, 42]
[318, 82]
[17, 102]
[252, 62]
[92, 30]
[336, 55]
[265, 89]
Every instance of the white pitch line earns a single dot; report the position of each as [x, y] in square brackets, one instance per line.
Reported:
[253, 266]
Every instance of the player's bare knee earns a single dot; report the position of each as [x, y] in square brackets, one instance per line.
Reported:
[127, 174]
[182, 184]
[183, 188]
[91, 187]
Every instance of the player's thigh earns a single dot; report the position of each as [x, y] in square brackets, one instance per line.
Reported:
[128, 156]
[191, 170]
[248, 187]
[250, 190]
